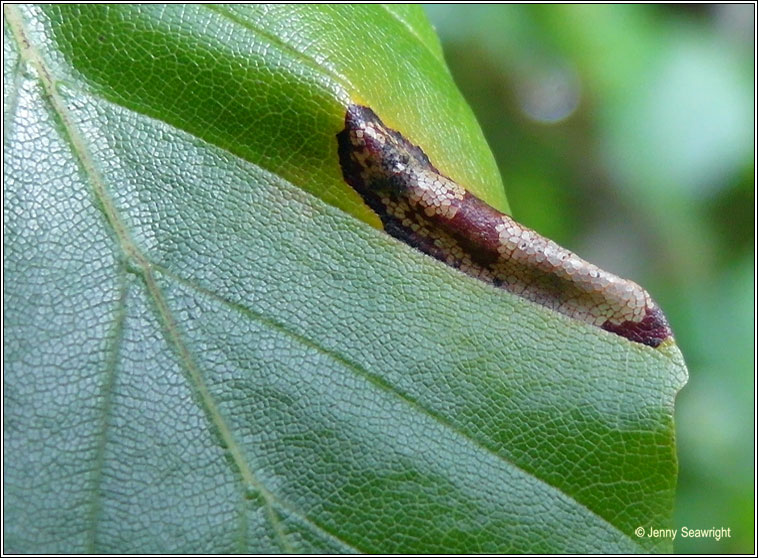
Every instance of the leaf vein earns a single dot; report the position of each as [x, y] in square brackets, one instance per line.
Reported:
[379, 382]
[31, 55]
[299, 55]
[111, 370]
[412, 30]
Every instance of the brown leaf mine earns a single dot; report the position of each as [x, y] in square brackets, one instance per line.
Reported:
[421, 207]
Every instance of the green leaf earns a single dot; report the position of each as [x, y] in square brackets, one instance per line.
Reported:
[205, 353]
[270, 83]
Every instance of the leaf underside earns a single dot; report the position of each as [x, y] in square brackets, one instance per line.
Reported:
[205, 352]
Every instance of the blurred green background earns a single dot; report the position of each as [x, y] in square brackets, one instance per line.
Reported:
[625, 133]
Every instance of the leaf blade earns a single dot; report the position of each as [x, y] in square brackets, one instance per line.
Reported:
[224, 344]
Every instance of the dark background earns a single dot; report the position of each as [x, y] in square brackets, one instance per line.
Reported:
[626, 134]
